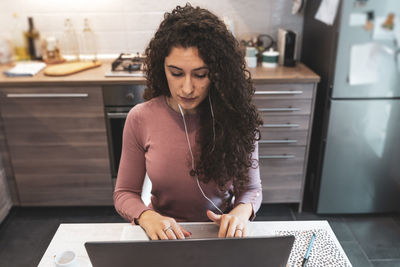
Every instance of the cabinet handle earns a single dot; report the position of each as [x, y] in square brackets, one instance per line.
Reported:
[285, 125]
[278, 157]
[278, 109]
[278, 92]
[117, 115]
[46, 95]
[282, 141]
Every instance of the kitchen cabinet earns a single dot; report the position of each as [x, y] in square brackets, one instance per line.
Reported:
[5, 199]
[57, 144]
[286, 109]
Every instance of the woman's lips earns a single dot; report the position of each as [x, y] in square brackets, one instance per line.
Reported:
[187, 100]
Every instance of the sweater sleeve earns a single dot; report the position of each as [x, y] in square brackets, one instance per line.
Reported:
[132, 171]
[253, 192]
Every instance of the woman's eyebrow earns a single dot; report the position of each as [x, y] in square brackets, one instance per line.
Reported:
[175, 67]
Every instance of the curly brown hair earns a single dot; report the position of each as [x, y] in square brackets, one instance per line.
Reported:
[236, 118]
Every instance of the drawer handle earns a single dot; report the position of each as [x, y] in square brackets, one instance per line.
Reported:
[278, 92]
[117, 115]
[282, 141]
[278, 157]
[46, 95]
[286, 125]
[278, 109]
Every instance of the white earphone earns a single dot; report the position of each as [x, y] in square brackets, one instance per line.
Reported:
[191, 153]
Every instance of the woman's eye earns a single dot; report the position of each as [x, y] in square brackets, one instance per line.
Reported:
[176, 74]
[200, 76]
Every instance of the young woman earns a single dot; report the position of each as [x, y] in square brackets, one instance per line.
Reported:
[196, 134]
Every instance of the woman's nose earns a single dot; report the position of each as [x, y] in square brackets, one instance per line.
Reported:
[188, 86]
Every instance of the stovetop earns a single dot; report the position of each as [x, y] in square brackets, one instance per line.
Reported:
[127, 65]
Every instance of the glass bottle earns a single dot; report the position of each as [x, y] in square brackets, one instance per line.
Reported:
[70, 46]
[89, 42]
[33, 40]
[19, 45]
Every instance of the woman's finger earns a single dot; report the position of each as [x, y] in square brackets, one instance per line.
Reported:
[239, 231]
[185, 233]
[162, 235]
[223, 227]
[233, 226]
[177, 231]
[170, 233]
[244, 231]
[153, 236]
[214, 217]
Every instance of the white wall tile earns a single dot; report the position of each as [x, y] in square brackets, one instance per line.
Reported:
[138, 41]
[103, 21]
[148, 21]
[151, 5]
[128, 25]
[71, 6]
[111, 42]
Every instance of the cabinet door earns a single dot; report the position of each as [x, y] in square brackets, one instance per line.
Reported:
[58, 145]
[286, 110]
[281, 173]
[5, 199]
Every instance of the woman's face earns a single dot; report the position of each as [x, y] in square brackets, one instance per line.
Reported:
[187, 77]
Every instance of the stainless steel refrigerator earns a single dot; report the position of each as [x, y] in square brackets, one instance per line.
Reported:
[354, 164]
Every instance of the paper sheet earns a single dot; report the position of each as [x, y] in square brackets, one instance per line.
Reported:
[358, 19]
[327, 11]
[364, 61]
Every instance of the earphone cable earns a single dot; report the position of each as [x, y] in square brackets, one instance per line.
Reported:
[193, 167]
[213, 122]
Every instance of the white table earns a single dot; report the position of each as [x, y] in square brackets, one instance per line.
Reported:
[73, 236]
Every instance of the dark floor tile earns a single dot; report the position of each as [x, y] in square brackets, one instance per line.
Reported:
[355, 254]
[35, 229]
[336, 222]
[308, 215]
[275, 212]
[378, 235]
[342, 231]
[28, 237]
[396, 218]
[386, 263]
[30, 230]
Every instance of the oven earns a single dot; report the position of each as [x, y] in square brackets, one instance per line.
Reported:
[118, 100]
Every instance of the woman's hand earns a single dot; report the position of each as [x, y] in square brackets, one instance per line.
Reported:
[161, 227]
[233, 224]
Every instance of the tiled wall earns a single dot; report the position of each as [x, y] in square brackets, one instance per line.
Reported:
[127, 25]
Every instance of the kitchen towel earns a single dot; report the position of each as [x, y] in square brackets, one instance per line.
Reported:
[25, 69]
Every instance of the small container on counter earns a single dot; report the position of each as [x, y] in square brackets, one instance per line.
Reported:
[52, 54]
[270, 58]
[251, 59]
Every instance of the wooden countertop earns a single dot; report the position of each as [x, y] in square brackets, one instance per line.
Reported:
[299, 74]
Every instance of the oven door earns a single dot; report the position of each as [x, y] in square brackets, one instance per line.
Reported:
[115, 121]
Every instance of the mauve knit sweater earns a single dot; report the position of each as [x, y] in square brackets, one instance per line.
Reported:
[154, 141]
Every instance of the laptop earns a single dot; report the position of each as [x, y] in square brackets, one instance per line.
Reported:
[221, 252]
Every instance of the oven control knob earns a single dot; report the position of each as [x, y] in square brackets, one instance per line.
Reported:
[130, 96]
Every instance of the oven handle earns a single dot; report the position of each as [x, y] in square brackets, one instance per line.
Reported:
[117, 115]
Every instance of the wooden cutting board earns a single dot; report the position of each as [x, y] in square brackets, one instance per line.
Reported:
[70, 68]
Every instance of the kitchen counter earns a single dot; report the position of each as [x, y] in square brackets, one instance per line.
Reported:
[300, 73]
